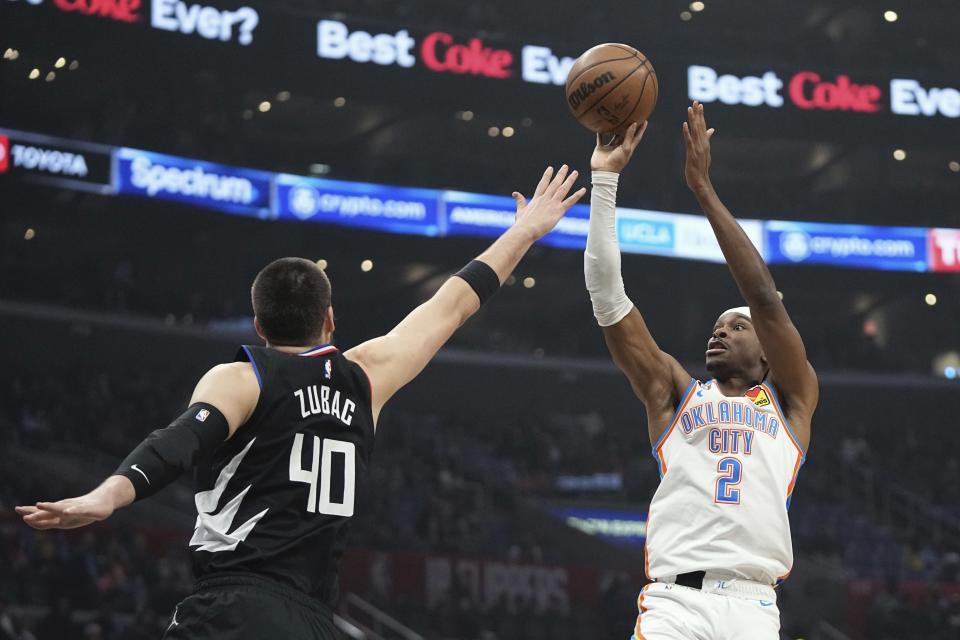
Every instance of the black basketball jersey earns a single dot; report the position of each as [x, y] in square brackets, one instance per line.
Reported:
[275, 499]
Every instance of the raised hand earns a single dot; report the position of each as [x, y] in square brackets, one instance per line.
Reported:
[697, 139]
[615, 155]
[549, 202]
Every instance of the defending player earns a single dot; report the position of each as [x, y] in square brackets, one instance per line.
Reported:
[283, 436]
[728, 449]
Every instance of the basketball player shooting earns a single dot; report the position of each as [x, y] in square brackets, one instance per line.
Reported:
[282, 437]
[728, 449]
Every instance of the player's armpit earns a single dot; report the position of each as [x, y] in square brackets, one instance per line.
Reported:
[656, 377]
[393, 360]
[233, 389]
[790, 371]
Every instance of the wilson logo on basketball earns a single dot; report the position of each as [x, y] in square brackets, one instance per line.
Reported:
[586, 89]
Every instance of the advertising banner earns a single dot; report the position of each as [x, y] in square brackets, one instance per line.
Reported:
[620, 527]
[55, 161]
[817, 90]
[433, 579]
[885, 248]
[944, 248]
[195, 182]
[358, 204]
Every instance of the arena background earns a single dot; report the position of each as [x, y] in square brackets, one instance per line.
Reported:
[155, 154]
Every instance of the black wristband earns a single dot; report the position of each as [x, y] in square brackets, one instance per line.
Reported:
[482, 279]
[166, 453]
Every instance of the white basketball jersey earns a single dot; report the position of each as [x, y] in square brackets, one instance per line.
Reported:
[727, 470]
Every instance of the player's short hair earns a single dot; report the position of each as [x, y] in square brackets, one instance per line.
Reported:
[290, 300]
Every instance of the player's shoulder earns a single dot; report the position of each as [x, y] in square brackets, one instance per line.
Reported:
[242, 373]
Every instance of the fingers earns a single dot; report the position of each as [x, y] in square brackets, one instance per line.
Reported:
[687, 138]
[634, 135]
[710, 133]
[42, 520]
[562, 183]
[575, 198]
[544, 182]
[520, 200]
[692, 123]
[58, 508]
[558, 179]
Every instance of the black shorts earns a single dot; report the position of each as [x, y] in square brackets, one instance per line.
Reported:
[248, 607]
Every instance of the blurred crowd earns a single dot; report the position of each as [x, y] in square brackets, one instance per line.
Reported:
[453, 483]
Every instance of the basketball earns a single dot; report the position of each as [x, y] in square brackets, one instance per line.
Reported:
[610, 86]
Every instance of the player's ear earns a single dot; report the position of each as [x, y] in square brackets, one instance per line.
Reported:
[259, 329]
[329, 325]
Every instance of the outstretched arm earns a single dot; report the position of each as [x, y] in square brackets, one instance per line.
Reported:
[656, 377]
[790, 371]
[222, 401]
[393, 360]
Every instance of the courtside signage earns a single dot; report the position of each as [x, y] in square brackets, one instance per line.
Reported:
[429, 212]
[814, 91]
[477, 214]
[944, 248]
[50, 160]
[620, 527]
[885, 248]
[357, 204]
[205, 184]
[440, 52]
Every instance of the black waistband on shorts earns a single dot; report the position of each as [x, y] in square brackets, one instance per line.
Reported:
[238, 579]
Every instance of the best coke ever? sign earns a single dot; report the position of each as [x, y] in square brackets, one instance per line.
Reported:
[812, 91]
[440, 52]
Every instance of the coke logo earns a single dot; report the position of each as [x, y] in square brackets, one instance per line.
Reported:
[122, 10]
[440, 53]
[808, 91]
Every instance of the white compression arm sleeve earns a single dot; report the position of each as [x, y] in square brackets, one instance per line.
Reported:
[601, 260]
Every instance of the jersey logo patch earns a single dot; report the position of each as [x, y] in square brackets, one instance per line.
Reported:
[202, 415]
[758, 396]
[327, 369]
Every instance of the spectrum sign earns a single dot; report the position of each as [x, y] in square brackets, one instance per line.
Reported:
[810, 90]
[440, 52]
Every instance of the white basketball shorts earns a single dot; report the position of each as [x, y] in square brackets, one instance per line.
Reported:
[724, 609]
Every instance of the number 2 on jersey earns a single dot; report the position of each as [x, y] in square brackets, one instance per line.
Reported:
[322, 467]
[730, 470]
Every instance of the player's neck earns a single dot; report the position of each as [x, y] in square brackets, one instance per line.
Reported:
[735, 386]
[324, 339]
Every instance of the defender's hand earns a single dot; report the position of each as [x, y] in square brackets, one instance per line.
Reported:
[67, 514]
[697, 139]
[99, 504]
[549, 202]
[615, 155]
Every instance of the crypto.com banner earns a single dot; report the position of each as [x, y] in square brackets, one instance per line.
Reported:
[432, 212]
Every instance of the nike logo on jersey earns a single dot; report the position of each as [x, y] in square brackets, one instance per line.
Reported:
[766, 603]
[140, 471]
